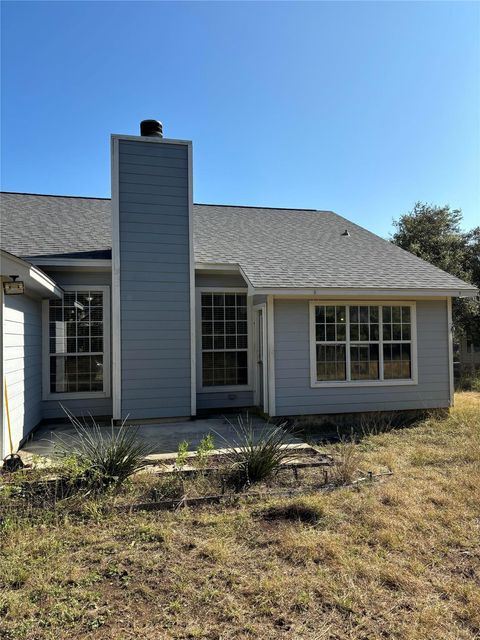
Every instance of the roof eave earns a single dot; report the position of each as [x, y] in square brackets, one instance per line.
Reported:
[368, 292]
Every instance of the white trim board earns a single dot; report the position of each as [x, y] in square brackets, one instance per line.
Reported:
[262, 307]
[116, 317]
[90, 264]
[271, 355]
[451, 383]
[80, 395]
[360, 293]
[37, 283]
[381, 382]
[193, 347]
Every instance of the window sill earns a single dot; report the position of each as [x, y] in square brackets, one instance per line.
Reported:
[363, 383]
[80, 395]
[226, 389]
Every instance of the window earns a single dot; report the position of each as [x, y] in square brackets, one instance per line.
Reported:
[224, 339]
[78, 350]
[355, 343]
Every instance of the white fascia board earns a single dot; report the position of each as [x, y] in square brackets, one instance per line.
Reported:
[72, 262]
[217, 266]
[387, 293]
[36, 281]
[46, 282]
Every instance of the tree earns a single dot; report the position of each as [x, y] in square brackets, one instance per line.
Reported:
[435, 234]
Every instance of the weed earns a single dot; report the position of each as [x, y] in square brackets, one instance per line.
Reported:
[205, 447]
[182, 454]
[346, 462]
[299, 510]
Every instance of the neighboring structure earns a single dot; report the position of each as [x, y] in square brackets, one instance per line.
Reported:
[154, 307]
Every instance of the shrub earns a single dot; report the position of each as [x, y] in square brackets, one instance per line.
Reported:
[102, 457]
[468, 382]
[256, 454]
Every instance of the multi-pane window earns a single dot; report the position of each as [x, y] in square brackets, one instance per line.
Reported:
[76, 338]
[224, 339]
[397, 345]
[330, 334]
[362, 342]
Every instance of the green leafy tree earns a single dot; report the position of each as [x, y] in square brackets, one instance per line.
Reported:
[435, 234]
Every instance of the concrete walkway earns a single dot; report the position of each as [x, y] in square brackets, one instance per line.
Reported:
[164, 438]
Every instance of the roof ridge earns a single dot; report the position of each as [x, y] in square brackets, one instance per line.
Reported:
[51, 195]
[252, 206]
[197, 204]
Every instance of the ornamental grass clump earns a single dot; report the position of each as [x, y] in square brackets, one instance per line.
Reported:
[105, 457]
[257, 452]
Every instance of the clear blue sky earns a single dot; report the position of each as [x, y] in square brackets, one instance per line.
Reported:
[362, 108]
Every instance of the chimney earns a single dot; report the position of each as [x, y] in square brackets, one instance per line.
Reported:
[152, 274]
[151, 128]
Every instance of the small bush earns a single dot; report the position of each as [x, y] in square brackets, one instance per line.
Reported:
[102, 458]
[256, 455]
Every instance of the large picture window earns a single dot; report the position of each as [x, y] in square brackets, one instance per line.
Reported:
[78, 351]
[362, 343]
[224, 339]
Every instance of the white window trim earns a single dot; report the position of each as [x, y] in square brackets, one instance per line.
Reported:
[314, 383]
[231, 388]
[80, 395]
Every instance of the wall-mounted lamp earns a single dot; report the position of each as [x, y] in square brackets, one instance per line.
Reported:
[13, 288]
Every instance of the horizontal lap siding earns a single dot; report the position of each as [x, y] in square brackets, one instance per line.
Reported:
[22, 365]
[154, 279]
[225, 400]
[294, 395]
[85, 406]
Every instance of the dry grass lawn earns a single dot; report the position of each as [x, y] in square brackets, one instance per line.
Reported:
[396, 559]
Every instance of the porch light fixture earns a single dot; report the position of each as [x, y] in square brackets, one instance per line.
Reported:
[13, 288]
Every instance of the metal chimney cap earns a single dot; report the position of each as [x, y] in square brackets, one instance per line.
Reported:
[151, 128]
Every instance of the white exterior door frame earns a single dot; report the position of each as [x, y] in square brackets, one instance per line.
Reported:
[260, 359]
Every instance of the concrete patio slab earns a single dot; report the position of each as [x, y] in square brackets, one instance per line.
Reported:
[164, 438]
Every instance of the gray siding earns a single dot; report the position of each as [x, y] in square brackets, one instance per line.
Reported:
[22, 365]
[225, 400]
[95, 406]
[219, 280]
[294, 396]
[154, 279]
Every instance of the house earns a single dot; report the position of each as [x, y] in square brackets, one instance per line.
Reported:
[153, 307]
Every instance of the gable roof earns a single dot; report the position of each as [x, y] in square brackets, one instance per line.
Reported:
[276, 248]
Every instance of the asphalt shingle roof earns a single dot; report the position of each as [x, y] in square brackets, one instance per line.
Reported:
[286, 248]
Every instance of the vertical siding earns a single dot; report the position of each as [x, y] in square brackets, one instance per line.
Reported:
[294, 396]
[154, 279]
[94, 406]
[22, 365]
